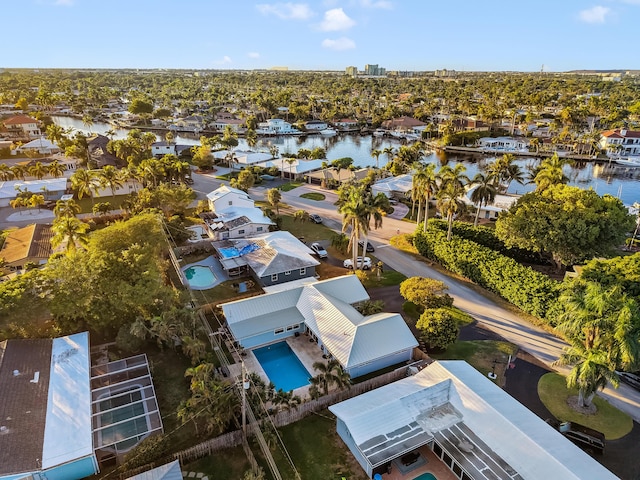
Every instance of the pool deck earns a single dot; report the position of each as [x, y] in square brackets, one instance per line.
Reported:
[434, 465]
[216, 268]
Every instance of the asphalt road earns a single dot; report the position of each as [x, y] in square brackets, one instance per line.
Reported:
[540, 344]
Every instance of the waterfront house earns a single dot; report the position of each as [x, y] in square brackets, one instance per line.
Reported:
[160, 149]
[323, 311]
[99, 153]
[315, 125]
[621, 142]
[451, 414]
[346, 124]
[224, 120]
[30, 244]
[503, 144]
[501, 203]
[405, 125]
[50, 188]
[22, 127]
[394, 187]
[276, 126]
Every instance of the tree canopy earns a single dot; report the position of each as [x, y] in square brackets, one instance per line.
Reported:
[567, 224]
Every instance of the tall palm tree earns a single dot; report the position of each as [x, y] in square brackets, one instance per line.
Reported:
[290, 162]
[390, 153]
[55, 133]
[35, 201]
[110, 177]
[66, 208]
[71, 230]
[551, 172]
[38, 170]
[376, 154]
[483, 194]
[355, 216]
[56, 169]
[5, 172]
[84, 183]
[504, 171]
[429, 189]
[451, 192]
[19, 171]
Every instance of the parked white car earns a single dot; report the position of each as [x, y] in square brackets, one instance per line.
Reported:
[365, 263]
[319, 250]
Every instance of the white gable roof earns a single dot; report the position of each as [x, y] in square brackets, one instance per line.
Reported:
[325, 307]
[468, 399]
[224, 190]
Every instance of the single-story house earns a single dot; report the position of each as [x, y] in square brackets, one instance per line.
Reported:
[40, 145]
[394, 187]
[499, 144]
[471, 424]
[296, 169]
[50, 188]
[245, 159]
[315, 125]
[346, 124]
[30, 244]
[324, 311]
[273, 258]
[224, 120]
[98, 152]
[339, 176]
[405, 124]
[160, 149]
[236, 222]
[59, 416]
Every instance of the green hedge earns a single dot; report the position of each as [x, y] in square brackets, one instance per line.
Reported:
[487, 237]
[529, 290]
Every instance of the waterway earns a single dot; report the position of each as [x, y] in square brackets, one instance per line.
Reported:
[604, 178]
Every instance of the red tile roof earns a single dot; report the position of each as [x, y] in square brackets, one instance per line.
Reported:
[617, 133]
[19, 120]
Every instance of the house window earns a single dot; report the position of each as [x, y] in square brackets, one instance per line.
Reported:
[274, 277]
[230, 202]
[278, 331]
[259, 229]
[456, 469]
[292, 327]
[303, 271]
[240, 232]
[288, 272]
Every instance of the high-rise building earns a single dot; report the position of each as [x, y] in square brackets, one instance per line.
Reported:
[352, 71]
[374, 70]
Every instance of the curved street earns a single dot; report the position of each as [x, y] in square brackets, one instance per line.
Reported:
[541, 344]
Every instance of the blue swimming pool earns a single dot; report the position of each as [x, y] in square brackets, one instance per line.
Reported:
[200, 277]
[282, 366]
[426, 476]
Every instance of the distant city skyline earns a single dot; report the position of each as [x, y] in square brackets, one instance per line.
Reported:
[405, 35]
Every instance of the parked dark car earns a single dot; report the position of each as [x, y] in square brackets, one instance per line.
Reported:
[588, 439]
[630, 379]
[315, 218]
[369, 246]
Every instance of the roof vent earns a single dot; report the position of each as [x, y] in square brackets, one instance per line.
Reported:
[466, 446]
[623, 132]
[3, 430]
[16, 373]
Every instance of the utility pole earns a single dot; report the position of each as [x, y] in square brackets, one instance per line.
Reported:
[245, 387]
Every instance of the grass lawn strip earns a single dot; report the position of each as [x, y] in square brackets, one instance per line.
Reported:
[313, 196]
[228, 463]
[553, 391]
[481, 354]
[290, 186]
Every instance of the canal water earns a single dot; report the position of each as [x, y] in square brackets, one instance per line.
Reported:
[604, 178]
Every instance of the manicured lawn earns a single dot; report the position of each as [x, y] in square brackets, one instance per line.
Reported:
[309, 231]
[481, 354]
[313, 196]
[225, 292]
[553, 391]
[317, 451]
[87, 207]
[290, 186]
[389, 277]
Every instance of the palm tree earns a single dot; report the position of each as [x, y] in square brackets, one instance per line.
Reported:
[5, 172]
[66, 208]
[551, 172]
[87, 121]
[602, 326]
[376, 154]
[19, 171]
[355, 215]
[35, 200]
[38, 170]
[301, 216]
[17, 202]
[110, 177]
[290, 162]
[71, 230]
[504, 171]
[483, 194]
[84, 182]
[273, 197]
[56, 169]
[429, 185]
[55, 133]
[390, 153]
[325, 377]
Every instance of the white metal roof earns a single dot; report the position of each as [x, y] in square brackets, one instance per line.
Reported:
[401, 183]
[226, 190]
[169, 471]
[8, 188]
[326, 309]
[67, 431]
[279, 252]
[472, 403]
[296, 167]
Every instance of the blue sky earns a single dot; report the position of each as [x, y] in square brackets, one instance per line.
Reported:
[327, 35]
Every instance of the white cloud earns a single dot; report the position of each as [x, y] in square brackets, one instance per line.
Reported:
[63, 3]
[286, 11]
[335, 20]
[342, 43]
[253, 55]
[224, 61]
[597, 14]
[385, 4]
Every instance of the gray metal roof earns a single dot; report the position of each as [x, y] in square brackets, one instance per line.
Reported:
[169, 471]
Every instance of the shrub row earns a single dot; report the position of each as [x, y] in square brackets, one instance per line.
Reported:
[529, 290]
[487, 237]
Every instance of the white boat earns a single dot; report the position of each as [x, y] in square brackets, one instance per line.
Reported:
[379, 132]
[628, 162]
[328, 132]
